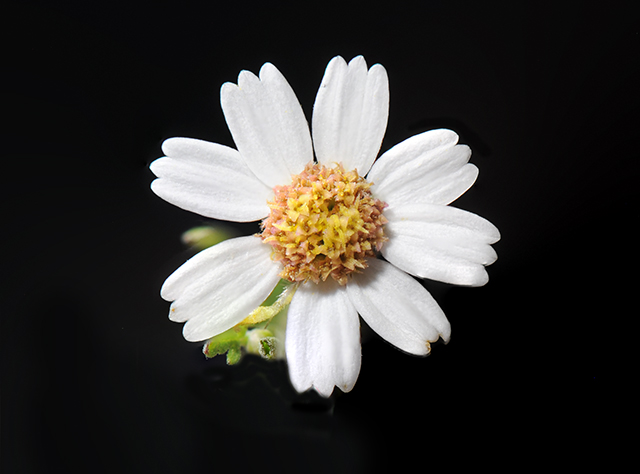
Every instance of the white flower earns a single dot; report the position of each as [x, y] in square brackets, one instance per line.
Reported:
[324, 223]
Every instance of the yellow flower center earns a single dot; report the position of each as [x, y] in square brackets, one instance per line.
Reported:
[326, 222]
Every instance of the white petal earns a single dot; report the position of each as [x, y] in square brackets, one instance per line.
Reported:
[209, 179]
[440, 242]
[220, 286]
[323, 339]
[268, 125]
[397, 307]
[350, 114]
[426, 168]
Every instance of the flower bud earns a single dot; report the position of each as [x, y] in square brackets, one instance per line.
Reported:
[204, 237]
[262, 342]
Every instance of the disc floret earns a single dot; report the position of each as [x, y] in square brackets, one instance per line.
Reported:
[325, 223]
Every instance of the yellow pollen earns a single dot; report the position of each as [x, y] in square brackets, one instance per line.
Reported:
[325, 223]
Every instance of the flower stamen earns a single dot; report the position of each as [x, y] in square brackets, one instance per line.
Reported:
[325, 223]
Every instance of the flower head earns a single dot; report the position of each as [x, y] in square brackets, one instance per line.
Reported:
[325, 220]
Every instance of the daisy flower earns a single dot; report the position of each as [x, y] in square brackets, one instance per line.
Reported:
[328, 210]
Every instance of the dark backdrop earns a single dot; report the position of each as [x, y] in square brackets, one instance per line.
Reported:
[96, 378]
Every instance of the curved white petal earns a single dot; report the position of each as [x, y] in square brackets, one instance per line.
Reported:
[209, 179]
[350, 114]
[426, 168]
[220, 286]
[440, 242]
[322, 339]
[398, 308]
[267, 124]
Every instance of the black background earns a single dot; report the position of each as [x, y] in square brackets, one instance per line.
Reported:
[96, 378]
